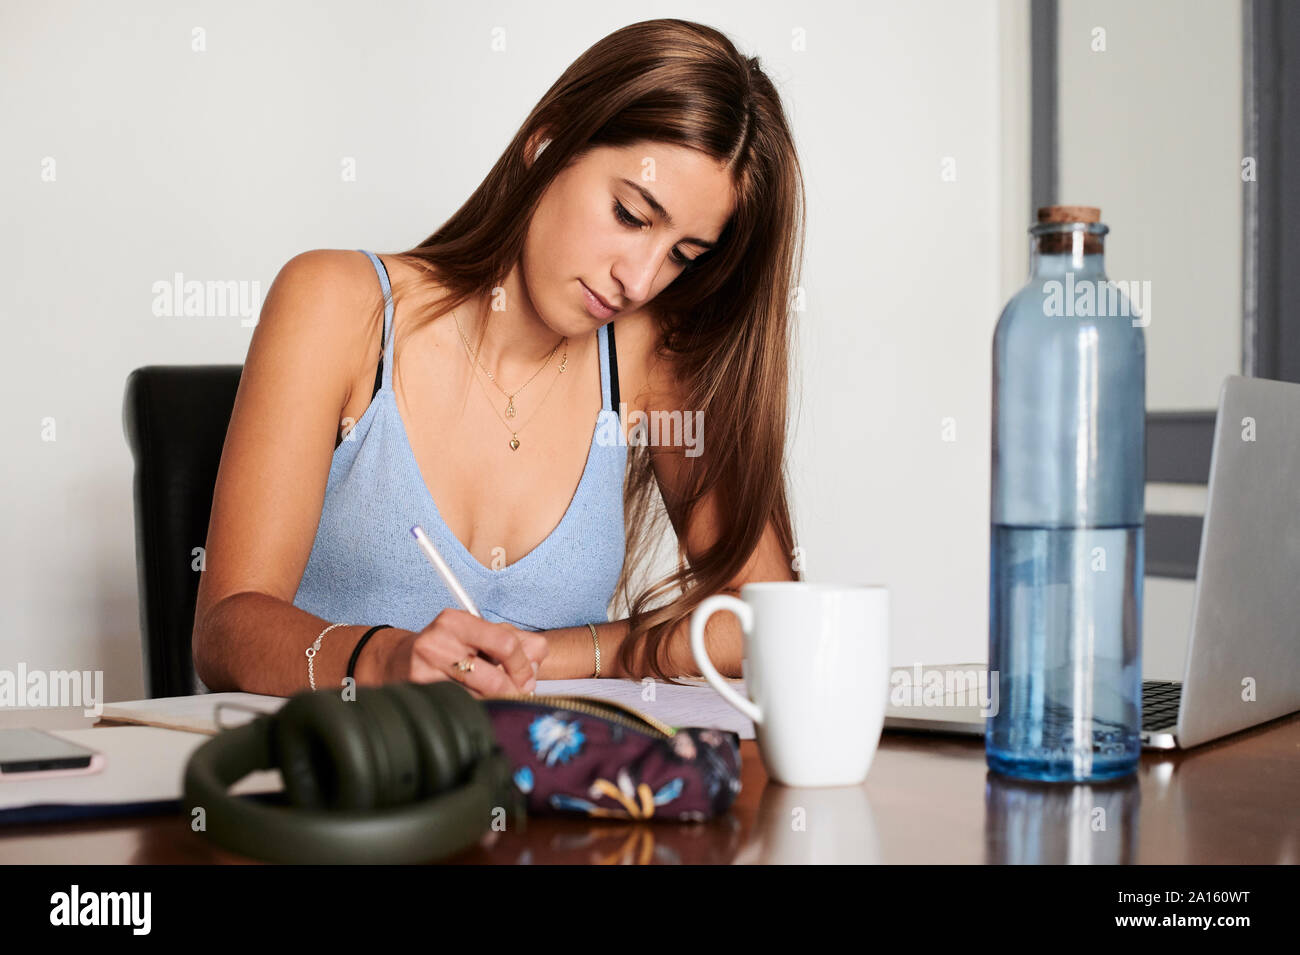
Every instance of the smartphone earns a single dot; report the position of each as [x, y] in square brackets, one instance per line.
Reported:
[36, 754]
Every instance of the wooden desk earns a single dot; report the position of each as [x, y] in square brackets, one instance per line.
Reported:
[928, 799]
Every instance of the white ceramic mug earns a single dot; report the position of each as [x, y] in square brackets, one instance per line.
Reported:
[816, 668]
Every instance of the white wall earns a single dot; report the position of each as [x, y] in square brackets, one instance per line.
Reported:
[1151, 131]
[224, 164]
[906, 283]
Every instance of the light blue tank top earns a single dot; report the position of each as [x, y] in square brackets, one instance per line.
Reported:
[366, 568]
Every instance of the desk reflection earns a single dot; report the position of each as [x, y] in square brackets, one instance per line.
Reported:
[929, 799]
[797, 826]
[1037, 823]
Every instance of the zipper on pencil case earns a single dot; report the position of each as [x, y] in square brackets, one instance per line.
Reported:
[595, 706]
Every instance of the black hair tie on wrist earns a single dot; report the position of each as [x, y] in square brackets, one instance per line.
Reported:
[352, 664]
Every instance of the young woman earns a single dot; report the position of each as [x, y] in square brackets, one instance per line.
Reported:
[654, 191]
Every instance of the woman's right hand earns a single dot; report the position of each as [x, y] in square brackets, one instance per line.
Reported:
[505, 658]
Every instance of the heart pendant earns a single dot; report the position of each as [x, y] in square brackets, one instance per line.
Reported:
[514, 444]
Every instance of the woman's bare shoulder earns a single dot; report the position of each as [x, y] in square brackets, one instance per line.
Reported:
[330, 272]
[416, 285]
[327, 302]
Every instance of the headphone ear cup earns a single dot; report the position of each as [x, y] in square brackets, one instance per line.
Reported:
[394, 754]
[434, 734]
[391, 745]
[471, 728]
[324, 756]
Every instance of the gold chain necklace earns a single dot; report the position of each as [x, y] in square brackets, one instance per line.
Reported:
[510, 402]
[514, 433]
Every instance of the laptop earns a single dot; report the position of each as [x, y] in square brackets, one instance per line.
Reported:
[1243, 659]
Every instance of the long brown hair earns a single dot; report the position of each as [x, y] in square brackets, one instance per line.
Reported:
[723, 326]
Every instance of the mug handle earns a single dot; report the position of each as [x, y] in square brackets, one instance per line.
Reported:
[699, 618]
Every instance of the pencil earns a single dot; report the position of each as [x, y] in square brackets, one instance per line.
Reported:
[440, 565]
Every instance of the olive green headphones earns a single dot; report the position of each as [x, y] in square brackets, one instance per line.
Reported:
[407, 772]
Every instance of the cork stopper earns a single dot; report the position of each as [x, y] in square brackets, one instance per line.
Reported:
[1054, 244]
[1069, 214]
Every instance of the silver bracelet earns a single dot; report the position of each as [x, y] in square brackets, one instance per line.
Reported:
[315, 648]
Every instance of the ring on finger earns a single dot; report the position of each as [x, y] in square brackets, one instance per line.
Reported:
[466, 665]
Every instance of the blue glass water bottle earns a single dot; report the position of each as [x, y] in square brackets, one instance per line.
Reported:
[1066, 543]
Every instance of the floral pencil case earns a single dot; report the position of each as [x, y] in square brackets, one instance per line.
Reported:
[599, 758]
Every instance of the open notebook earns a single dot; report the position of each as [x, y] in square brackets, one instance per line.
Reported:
[695, 704]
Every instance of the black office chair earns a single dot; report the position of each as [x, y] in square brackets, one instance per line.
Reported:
[175, 418]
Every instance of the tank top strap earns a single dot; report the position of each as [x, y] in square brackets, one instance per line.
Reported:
[388, 315]
[608, 367]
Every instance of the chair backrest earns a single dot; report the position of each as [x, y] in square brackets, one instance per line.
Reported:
[1179, 445]
[175, 418]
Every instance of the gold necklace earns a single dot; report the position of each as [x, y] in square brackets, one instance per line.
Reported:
[514, 433]
[510, 402]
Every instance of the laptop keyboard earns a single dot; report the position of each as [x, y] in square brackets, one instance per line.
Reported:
[1160, 704]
